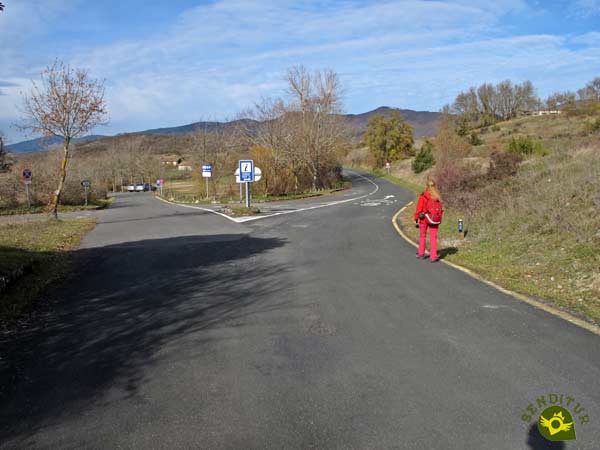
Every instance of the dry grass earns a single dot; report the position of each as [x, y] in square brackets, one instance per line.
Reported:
[33, 255]
[555, 133]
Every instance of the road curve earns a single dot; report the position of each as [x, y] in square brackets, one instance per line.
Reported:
[312, 330]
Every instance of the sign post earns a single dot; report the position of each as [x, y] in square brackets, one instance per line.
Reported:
[247, 176]
[238, 179]
[207, 173]
[86, 186]
[27, 180]
[388, 166]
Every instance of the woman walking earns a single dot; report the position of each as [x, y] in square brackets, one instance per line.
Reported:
[428, 216]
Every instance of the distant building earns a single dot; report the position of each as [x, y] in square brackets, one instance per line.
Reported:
[547, 112]
[184, 167]
[171, 160]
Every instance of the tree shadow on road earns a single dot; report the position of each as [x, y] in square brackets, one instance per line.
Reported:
[124, 304]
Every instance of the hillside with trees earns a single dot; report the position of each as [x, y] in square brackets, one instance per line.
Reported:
[297, 140]
[423, 122]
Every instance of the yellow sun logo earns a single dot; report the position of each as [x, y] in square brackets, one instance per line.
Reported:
[556, 424]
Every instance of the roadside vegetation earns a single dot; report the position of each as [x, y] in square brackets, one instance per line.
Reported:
[186, 190]
[33, 256]
[527, 189]
[298, 142]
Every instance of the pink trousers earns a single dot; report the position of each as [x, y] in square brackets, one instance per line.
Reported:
[433, 232]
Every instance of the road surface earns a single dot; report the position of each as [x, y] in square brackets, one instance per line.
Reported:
[313, 330]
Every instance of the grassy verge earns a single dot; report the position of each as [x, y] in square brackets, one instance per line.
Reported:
[33, 255]
[400, 182]
[241, 211]
[181, 196]
[510, 249]
[39, 209]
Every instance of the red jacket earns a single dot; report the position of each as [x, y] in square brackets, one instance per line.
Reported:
[422, 205]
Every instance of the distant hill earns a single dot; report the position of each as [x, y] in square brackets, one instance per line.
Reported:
[208, 127]
[424, 122]
[43, 143]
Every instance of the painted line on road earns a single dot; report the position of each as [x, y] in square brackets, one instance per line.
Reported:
[281, 213]
[197, 207]
[522, 297]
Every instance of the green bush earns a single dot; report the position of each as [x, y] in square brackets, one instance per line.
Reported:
[474, 139]
[495, 128]
[424, 159]
[503, 165]
[524, 145]
[593, 127]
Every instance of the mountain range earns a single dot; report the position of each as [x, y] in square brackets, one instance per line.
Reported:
[424, 123]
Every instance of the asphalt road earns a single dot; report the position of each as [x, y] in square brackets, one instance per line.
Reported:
[312, 330]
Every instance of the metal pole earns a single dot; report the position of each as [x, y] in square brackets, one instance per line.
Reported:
[28, 198]
[241, 194]
[247, 195]
[86, 196]
[207, 188]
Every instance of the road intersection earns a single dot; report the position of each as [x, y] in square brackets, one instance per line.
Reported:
[309, 330]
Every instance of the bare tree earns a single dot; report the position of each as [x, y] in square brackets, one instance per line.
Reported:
[4, 162]
[487, 104]
[591, 92]
[561, 101]
[1, 7]
[214, 145]
[316, 106]
[300, 139]
[67, 103]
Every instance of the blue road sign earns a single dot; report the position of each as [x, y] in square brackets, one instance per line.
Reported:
[207, 170]
[27, 174]
[158, 183]
[246, 170]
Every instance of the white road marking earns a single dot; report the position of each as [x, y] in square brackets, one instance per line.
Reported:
[308, 208]
[378, 202]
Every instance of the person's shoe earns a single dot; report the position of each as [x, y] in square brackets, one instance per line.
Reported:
[435, 260]
[422, 256]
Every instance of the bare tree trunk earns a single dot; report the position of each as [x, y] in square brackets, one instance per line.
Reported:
[62, 176]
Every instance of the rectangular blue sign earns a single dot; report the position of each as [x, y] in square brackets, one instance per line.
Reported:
[206, 167]
[246, 170]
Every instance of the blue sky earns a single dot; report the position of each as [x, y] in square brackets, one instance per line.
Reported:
[174, 62]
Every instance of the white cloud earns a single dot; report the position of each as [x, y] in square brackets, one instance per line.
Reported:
[211, 48]
[217, 58]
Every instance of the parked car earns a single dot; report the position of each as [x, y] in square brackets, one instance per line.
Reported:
[131, 188]
[142, 187]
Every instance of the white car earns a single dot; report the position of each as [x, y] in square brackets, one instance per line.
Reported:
[138, 187]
